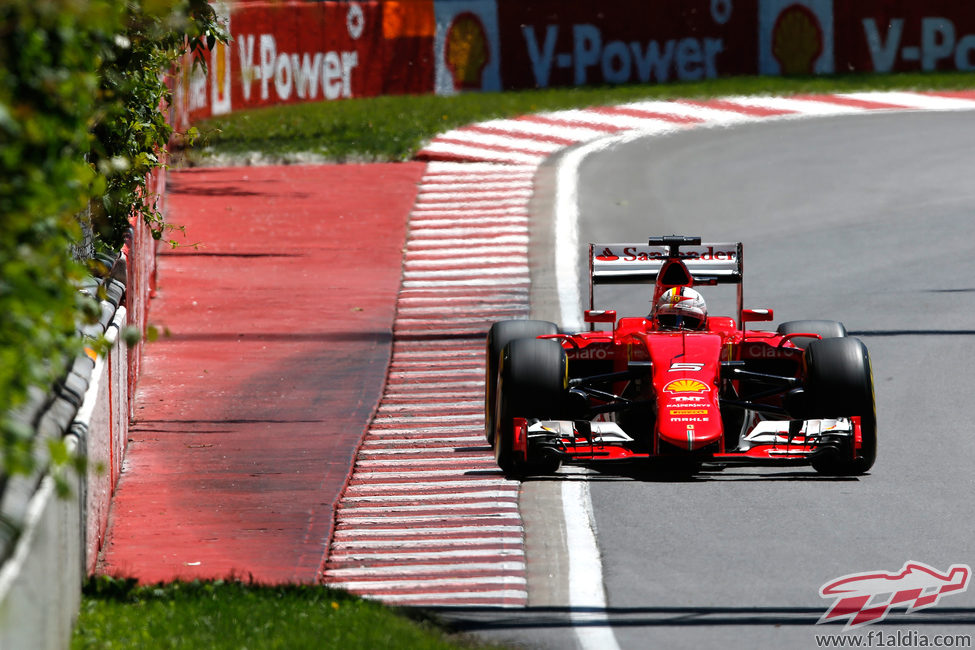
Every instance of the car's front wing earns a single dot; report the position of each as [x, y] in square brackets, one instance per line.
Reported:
[785, 442]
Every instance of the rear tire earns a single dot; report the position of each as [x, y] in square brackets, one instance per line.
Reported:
[500, 334]
[839, 383]
[532, 383]
[828, 329]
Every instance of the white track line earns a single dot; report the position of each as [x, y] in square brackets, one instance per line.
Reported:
[586, 590]
[379, 586]
[427, 555]
[451, 496]
[510, 598]
[802, 107]
[436, 484]
[915, 100]
[456, 542]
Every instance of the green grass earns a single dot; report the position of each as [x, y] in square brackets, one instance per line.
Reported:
[221, 615]
[395, 127]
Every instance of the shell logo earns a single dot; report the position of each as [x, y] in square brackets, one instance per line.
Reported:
[466, 51]
[797, 40]
[686, 386]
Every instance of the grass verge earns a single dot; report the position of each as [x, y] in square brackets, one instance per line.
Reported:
[394, 127]
[230, 615]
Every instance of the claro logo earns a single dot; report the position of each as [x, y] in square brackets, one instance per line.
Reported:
[684, 59]
[939, 43]
[589, 353]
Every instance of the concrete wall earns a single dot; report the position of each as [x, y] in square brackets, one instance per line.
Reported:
[58, 538]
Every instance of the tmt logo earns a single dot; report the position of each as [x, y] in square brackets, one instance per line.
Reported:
[865, 598]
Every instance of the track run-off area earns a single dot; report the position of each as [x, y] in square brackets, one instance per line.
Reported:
[427, 519]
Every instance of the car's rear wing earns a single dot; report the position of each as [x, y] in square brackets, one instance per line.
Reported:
[708, 264]
[640, 263]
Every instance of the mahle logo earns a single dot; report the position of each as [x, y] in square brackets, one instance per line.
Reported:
[865, 598]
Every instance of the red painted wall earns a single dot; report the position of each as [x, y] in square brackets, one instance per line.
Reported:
[287, 51]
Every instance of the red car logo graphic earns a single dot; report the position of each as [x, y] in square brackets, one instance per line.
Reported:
[864, 598]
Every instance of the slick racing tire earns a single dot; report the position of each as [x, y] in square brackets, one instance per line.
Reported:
[532, 383]
[839, 383]
[500, 334]
[828, 329]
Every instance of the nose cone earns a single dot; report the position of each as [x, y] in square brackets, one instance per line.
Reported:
[689, 416]
[689, 425]
[685, 375]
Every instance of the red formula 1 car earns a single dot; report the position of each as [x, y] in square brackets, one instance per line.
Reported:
[679, 387]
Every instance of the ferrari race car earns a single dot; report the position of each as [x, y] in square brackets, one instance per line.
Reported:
[678, 388]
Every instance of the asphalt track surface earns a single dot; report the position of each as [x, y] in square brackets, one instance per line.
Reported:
[869, 220]
[276, 318]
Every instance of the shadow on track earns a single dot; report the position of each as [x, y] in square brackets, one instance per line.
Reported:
[880, 333]
[641, 472]
[475, 619]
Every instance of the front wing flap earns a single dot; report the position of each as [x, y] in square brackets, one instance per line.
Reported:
[767, 442]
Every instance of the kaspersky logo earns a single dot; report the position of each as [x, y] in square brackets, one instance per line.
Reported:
[864, 598]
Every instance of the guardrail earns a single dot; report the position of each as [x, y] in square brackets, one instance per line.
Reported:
[48, 543]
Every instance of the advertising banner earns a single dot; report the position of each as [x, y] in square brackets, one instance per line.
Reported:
[552, 43]
[289, 51]
[905, 36]
[286, 51]
[795, 37]
[467, 47]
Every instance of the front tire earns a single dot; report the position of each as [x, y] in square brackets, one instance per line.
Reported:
[532, 382]
[839, 383]
[500, 334]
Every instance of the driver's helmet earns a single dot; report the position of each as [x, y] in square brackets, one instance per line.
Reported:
[681, 308]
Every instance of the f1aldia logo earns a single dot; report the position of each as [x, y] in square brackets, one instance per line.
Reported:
[865, 598]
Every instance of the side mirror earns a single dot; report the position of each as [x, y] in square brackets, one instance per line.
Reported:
[600, 316]
[756, 315]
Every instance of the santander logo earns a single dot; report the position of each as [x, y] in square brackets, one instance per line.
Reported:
[865, 598]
